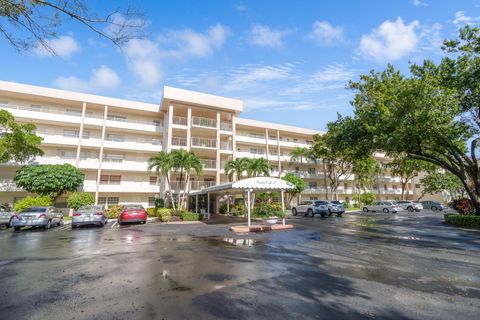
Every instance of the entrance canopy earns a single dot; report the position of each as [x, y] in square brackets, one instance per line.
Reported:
[251, 184]
[248, 186]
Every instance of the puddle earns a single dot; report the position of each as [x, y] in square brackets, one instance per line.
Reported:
[174, 285]
[219, 277]
[233, 242]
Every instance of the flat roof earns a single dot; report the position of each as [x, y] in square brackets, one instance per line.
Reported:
[200, 99]
[44, 92]
[276, 126]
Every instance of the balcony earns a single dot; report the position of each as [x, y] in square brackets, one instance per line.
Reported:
[209, 164]
[226, 145]
[179, 142]
[194, 185]
[225, 126]
[314, 190]
[9, 185]
[204, 122]
[179, 121]
[204, 143]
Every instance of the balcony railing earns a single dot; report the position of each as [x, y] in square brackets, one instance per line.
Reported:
[204, 142]
[9, 185]
[226, 145]
[181, 142]
[209, 164]
[225, 126]
[204, 122]
[181, 121]
[194, 185]
[46, 109]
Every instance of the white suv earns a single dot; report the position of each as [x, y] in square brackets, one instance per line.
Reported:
[311, 207]
[410, 205]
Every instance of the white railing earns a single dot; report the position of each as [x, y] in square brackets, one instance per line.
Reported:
[225, 126]
[182, 121]
[198, 185]
[204, 142]
[9, 185]
[176, 141]
[209, 164]
[204, 122]
[226, 145]
[313, 190]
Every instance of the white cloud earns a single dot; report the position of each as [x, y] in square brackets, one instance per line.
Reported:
[126, 28]
[392, 40]
[63, 46]
[418, 3]
[462, 19]
[430, 38]
[187, 42]
[101, 79]
[251, 75]
[144, 61]
[332, 77]
[323, 33]
[266, 37]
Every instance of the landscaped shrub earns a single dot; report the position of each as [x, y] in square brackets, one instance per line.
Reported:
[78, 199]
[266, 210]
[159, 203]
[223, 208]
[176, 213]
[32, 202]
[239, 209]
[114, 211]
[152, 212]
[466, 221]
[463, 206]
[164, 214]
[190, 216]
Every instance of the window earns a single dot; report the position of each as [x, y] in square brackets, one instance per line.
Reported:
[312, 185]
[157, 123]
[274, 168]
[345, 186]
[68, 154]
[311, 170]
[151, 201]
[256, 135]
[273, 138]
[153, 180]
[110, 179]
[115, 137]
[3, 102]
[313, 198]
[394, 187]
[72, 112]
[296, 140]
[309, 142]
[385, 187]
[108, 200]
[156, 142]
[35, 107]
[297, 169]
[116, 117]
[417, 186]
[112, 157]
[71, 133]
[257, 151]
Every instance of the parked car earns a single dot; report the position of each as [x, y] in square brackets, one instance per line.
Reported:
[132, 213]
[311, 207]
[6, 216]
[336, 207]
[410, 205]
[384, 206]
[38, 217]
[433, 205]
[89, 215]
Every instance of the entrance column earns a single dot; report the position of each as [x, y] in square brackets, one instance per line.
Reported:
[283, 207]
[196, 203]
[248, 206]
[208, 205]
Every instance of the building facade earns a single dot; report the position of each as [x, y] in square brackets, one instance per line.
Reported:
[111, 140]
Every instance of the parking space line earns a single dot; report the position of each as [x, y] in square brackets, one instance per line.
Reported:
[115, 224]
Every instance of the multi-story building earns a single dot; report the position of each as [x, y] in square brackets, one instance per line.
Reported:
[110, 140]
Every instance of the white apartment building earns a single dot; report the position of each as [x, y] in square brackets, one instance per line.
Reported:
[110, 140]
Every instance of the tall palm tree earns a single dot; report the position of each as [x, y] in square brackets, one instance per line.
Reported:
[236, 167]
[162, 164]
[258, 167]
[184, 162]
[298, 154]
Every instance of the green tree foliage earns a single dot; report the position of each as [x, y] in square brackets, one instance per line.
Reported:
[430, 115]
[30, 24]
[42, 201]
[236, 168]
[49, 179]
[406, 169]
[162, 164]
[366, 198]
[297, 182]
[437, 182]
[258, 167]
[185, 162]
[18, 142]
[78, 199]
[300, 154]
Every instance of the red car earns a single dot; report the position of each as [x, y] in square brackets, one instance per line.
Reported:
[132, 213]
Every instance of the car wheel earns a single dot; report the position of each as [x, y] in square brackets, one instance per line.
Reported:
[365, 209]
[323, 214]
[339, 214]
[60, 223]
[385, 210]
[434, 208]
[74, 226]
[329, 212]
[294, 211]
[48, 225]
[17, 228]
[9, 224]
[410, 209]
[310, 212]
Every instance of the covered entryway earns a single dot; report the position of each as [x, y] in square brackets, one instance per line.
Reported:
[246, 187]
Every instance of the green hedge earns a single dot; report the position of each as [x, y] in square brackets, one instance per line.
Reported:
[465, 221]
[152, 212]
[42, 201]
[190, 216]
[78, 199]
[164, 214]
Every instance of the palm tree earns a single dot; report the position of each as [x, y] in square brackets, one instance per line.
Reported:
[298, 154]
[185, 161]
[258, 167]
[236, 167]
[162, 164]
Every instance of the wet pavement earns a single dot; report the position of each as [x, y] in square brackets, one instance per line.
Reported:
[361, 266]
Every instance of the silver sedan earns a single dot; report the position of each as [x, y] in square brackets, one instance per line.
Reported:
[38, 217]
[6, 216]
[89, 215]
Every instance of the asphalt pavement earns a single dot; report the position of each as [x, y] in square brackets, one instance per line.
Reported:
[360, 266]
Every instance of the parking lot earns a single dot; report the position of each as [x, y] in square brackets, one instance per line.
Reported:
[360, 266]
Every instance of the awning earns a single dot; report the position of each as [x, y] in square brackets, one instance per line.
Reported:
[252, 184]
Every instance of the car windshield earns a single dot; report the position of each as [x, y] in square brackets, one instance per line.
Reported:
[35, 209]
[91, 208]
[319, 203]
[133, 207]
[388, 203]
[336, 202]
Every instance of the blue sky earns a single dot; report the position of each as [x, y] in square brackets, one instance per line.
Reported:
[288, 60]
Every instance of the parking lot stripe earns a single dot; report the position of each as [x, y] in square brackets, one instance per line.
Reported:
[115, 224]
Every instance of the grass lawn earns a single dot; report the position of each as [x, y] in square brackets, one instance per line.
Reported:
[352, 209]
